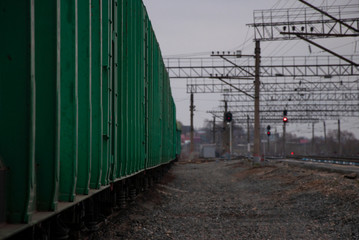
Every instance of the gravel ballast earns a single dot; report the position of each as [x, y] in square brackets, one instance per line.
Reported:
[236, 200]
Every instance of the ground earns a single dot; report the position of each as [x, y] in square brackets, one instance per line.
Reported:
[239, 200]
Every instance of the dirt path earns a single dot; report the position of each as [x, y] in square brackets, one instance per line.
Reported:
[233, 200]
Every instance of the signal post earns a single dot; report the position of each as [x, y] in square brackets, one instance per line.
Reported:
[268, 135]
[228, 119]
[285, 120]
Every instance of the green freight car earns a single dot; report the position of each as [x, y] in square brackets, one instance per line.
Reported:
[85, 103]
[177, 145]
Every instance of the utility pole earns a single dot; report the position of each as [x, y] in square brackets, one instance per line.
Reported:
[325, 138]
[284, 150]
[224, 135]
[257, 139]
[275, 141]
[313, 138]
[192, 109]
[214, 129]
[248, 137]
[339, 140]
[230, 140]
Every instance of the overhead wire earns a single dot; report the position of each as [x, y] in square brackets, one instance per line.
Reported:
[343, 7]
[295, 44]
[340, 46]
[248, 40]
[187, 54]
[292, 47]
[272, 42]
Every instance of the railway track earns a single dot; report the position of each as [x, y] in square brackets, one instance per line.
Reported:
[353, 161]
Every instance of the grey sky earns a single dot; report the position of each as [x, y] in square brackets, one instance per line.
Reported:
[186, 26]
[202, 26]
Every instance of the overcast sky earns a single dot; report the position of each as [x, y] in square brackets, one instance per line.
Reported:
[201, 26]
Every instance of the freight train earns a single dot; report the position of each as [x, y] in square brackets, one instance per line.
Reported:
[87, 117]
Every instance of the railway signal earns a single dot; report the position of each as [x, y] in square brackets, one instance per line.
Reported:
[285, 119]
[228, 117]
[268, 135]
[268, 130]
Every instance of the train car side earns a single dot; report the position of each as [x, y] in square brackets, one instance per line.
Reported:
[85, 102]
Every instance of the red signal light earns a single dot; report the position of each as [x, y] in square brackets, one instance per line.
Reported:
[285, 119]
[292, 153]
[268, 133]
[228, 116]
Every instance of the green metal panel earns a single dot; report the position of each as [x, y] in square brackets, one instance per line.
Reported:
[143, 87]
[137, 110]
[125, 128]
[154, 120]
[129, 81]
[151, 99]
[152, 129]
[69, 101]
[136, 53]
[142, 118]
[114, 96]
[156, 116]
[120, 75]
[163, 115]
[47, 65]
[96, 93]
[17, 106]
[127, 56]
[118, 121]
[85, 108]
[174, 129]
[146, 89]
[122, 129]
[160, 104]
[136, 148]
[131, 87]
[107, 156]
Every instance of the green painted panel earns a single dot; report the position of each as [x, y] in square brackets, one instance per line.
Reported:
[142, 120]
[84, 94]
[125, 128]
[17, 106]
[47, 65]
[69, 101]
[129, 82]
[122, 108]
[146, 89]
[114, 96]
[107, 157]
[96, 94]
[104, 106]
[134, 81]
[131, 89]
